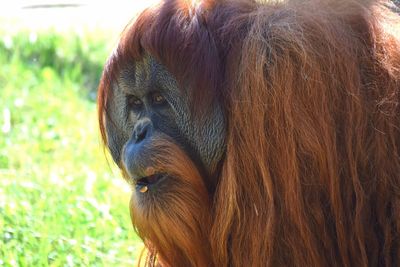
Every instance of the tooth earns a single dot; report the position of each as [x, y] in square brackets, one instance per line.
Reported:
[144, 189]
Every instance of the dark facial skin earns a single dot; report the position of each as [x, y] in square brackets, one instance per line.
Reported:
[146, 102]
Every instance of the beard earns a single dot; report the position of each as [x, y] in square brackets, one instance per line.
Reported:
[170, 208]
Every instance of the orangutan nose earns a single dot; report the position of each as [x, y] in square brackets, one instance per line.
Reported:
[143, 129]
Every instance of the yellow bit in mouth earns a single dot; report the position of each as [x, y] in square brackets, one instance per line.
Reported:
[144, 189]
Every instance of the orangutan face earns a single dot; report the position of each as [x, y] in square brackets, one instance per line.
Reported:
[147, 104]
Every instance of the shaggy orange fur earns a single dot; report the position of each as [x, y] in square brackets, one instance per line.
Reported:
[311, 91]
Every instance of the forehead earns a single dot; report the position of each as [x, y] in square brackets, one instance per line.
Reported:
[146, 75]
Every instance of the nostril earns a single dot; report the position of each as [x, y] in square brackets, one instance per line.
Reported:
[141, 135]
[142, 130]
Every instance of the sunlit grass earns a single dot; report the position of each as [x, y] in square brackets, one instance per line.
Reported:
[61, 203]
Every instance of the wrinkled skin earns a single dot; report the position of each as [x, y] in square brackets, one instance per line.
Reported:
[146, 101]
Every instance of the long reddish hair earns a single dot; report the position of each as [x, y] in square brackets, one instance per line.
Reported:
[311, 93]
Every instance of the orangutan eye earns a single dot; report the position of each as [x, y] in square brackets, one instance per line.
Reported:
[134, 102]
[157, 98]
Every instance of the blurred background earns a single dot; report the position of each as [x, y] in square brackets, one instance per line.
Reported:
[62, 203]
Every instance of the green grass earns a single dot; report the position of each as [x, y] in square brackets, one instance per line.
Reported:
[61, 202]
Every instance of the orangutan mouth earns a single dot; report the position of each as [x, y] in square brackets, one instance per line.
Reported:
[145, 183]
